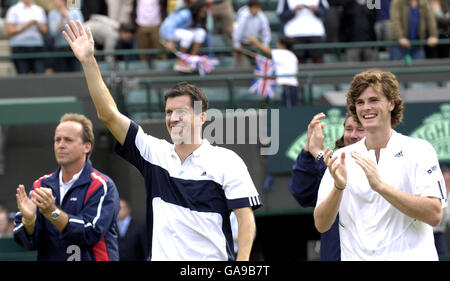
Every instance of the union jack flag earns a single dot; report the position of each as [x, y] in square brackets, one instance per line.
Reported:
[203, 64]
[263, 86]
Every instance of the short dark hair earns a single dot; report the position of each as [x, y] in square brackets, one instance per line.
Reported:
[251, 3]
[187, 89]
[286, 41]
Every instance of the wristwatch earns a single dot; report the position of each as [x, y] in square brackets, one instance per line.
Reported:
[319, 156]
[55, 214]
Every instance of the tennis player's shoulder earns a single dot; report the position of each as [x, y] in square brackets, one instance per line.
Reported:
[223, 153]
[414, 147]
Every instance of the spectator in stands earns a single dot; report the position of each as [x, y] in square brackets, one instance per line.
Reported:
[357, 25]
[251, 23]
[124, 13]
[57, 19]
[285, 63]
[309, 169]
[105, 32]
[132, 235]
[121, 10]
[71, 213]
[45, 4]
[188, 27]
[223, 17]
[383, 22]
[332, 19]
[441, 10]
[126, 41]
[97, 7]
[412, 20]
[303, 24]
[149, 14]
[26, 23]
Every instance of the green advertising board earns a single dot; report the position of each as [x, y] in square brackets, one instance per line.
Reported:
[428, 121]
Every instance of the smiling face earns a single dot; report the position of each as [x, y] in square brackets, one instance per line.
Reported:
[373, 109]
[182, 124]
[370, 88]
[68, 144]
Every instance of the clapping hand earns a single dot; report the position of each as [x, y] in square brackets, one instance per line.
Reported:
[315, 137]
[370, 169]
[25, 205]
[338, 170]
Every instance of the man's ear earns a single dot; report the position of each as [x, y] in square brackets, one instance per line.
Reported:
[203, 117]
[392, 106]
[87, 147]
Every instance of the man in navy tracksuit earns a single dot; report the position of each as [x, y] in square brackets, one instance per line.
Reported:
[308, 171]
[71, 213]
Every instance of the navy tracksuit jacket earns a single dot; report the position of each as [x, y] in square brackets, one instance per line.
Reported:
[304, 186]
[92, 204]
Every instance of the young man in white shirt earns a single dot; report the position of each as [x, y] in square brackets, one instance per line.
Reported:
[26, 25]
[286, 63]
[388, 188]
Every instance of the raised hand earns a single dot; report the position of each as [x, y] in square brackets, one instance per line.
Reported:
[80, 41]
[315, 137]
[25, 205]
[338, 170]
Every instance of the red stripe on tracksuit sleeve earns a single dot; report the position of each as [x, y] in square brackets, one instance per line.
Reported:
[100, 251]
[94, 185]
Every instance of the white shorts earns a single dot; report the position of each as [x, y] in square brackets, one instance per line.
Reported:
[188, 36]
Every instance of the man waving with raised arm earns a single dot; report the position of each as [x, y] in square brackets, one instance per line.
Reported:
[192, 186]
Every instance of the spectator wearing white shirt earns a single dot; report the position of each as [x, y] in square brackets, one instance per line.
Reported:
[303, 24]
[251, 22]
[286, 63]
[26, 23]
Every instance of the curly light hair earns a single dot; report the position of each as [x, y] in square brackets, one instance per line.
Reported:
[380, 81]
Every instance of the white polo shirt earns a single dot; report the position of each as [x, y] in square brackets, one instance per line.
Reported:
[370, 227]
[189, 204]
[285, 63]
[20, 15]
[305, 22]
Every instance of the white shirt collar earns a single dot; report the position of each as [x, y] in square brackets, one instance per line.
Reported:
[197, 152]
[72, 181]
[64, 187]
[391, 145]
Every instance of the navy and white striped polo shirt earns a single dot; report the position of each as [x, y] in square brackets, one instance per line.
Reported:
[189, 204]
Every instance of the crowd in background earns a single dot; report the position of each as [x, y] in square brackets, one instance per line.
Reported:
[35, 26]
